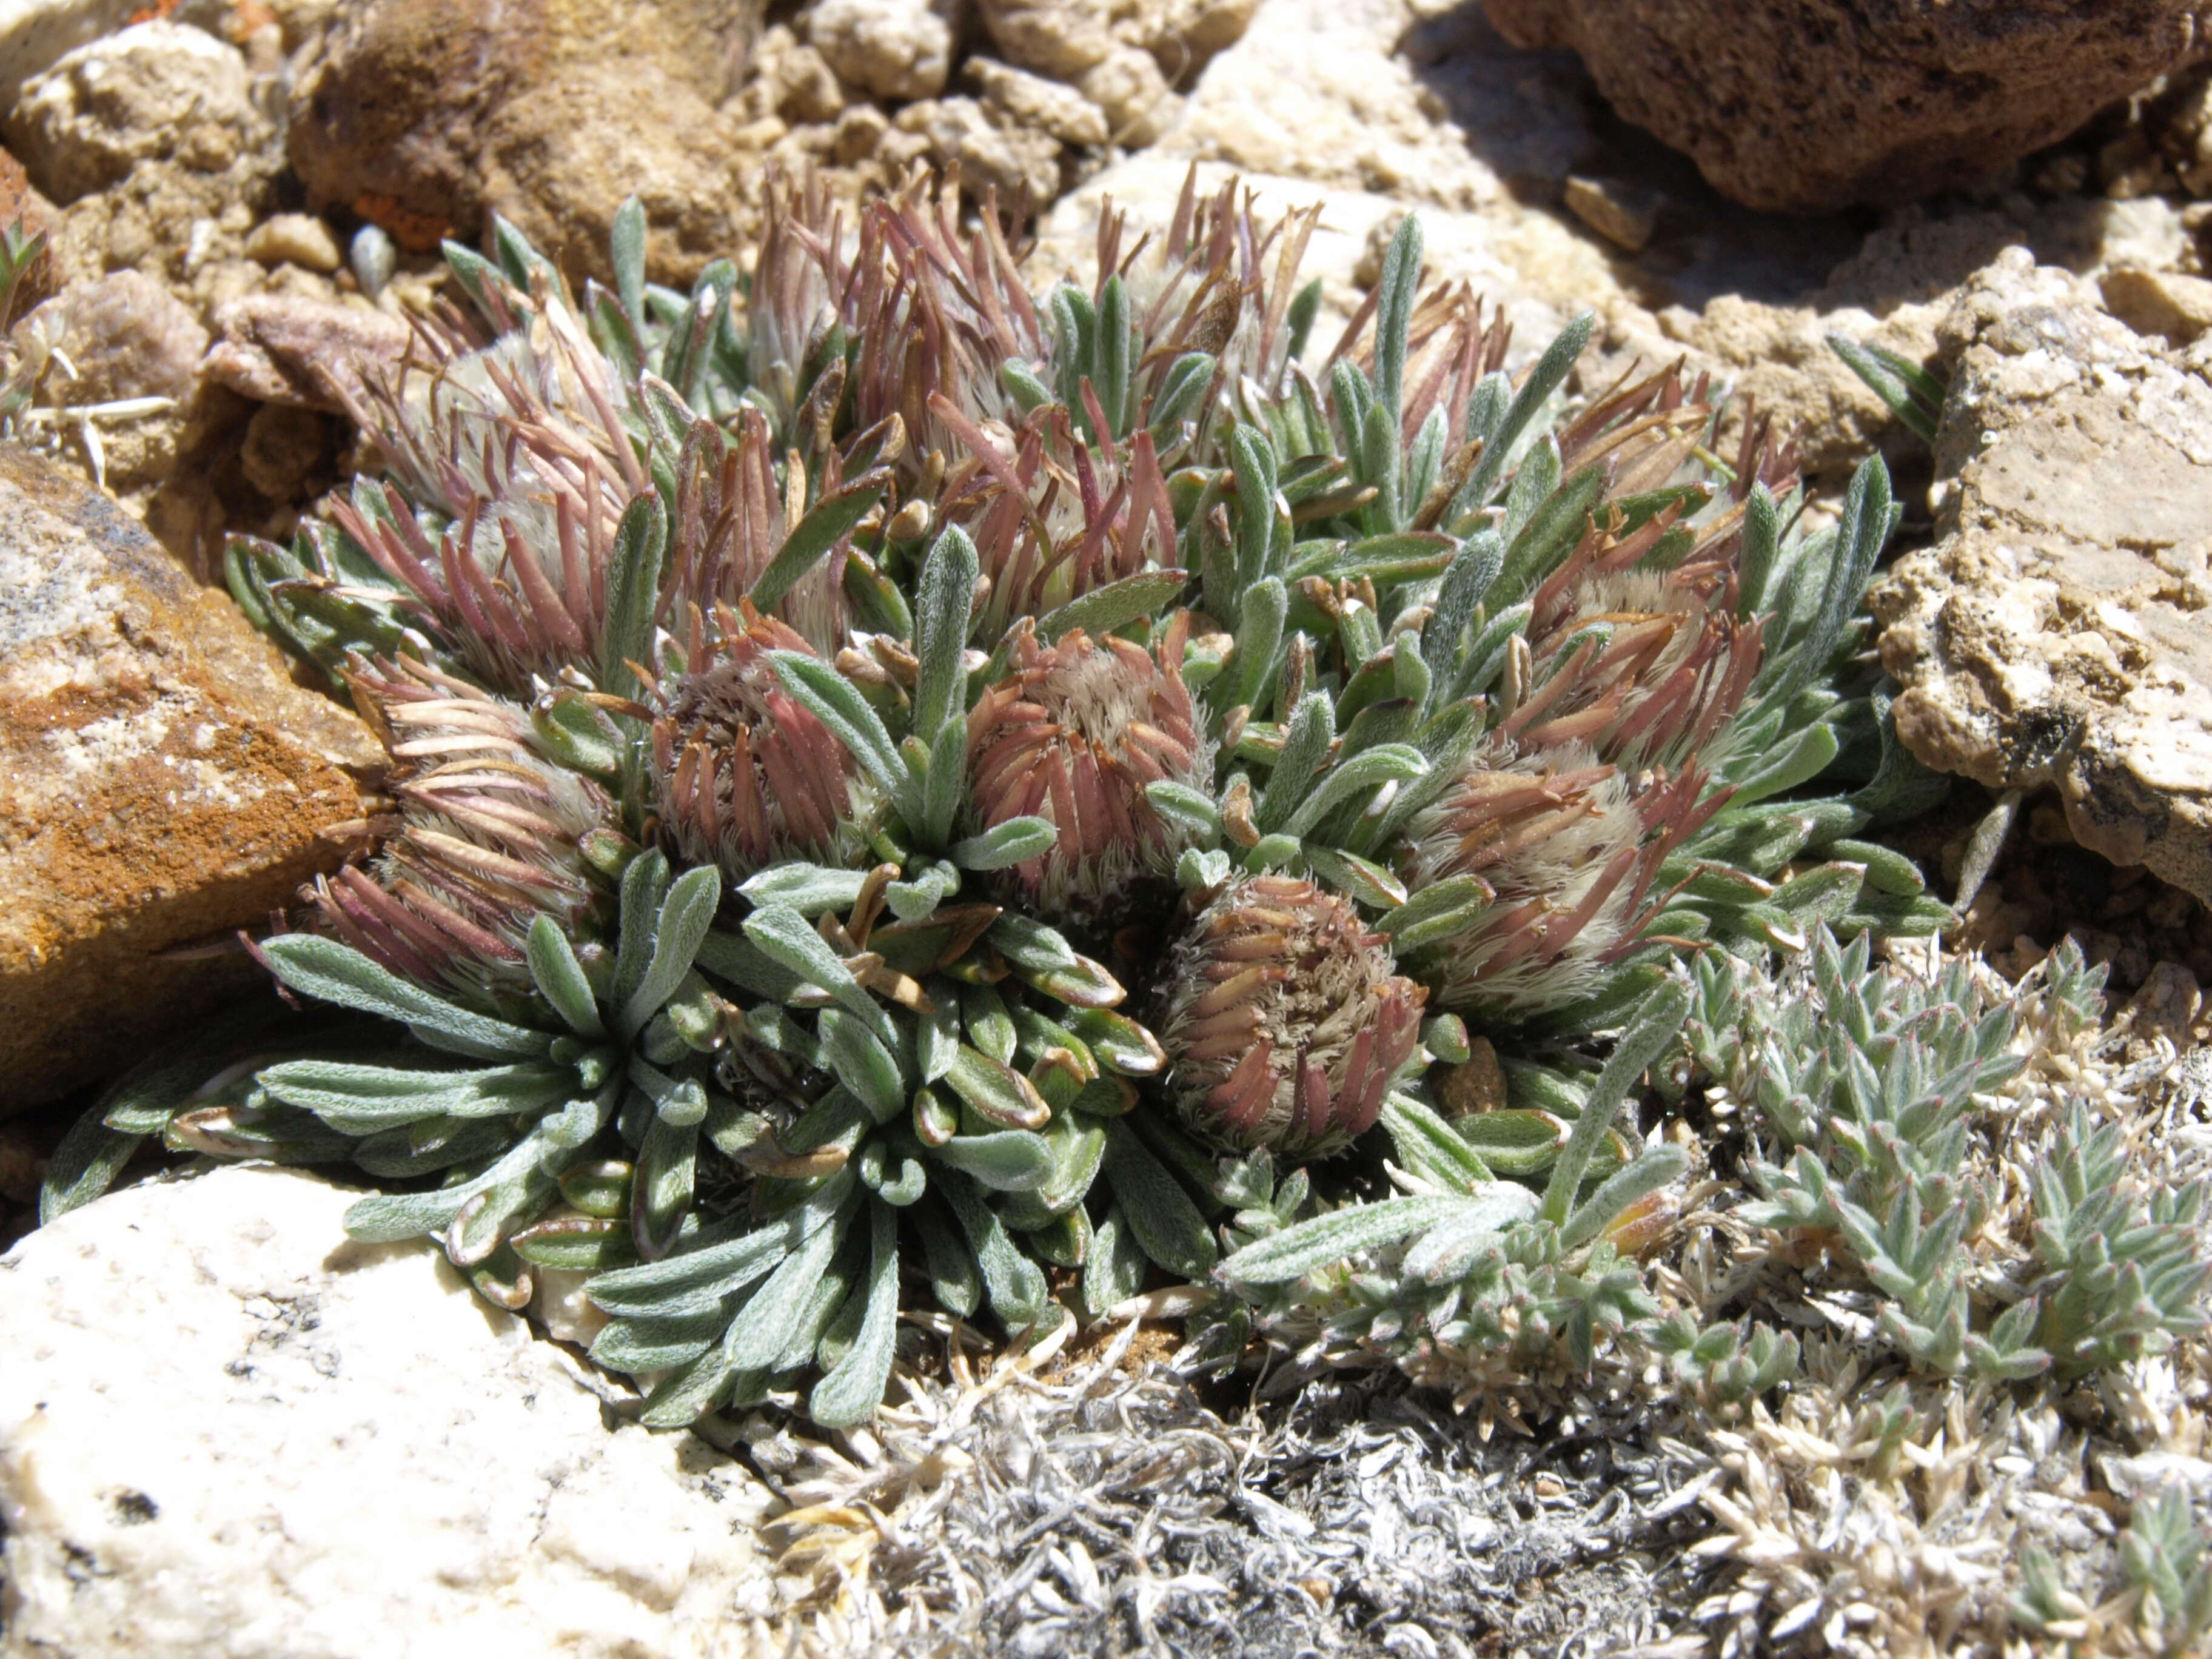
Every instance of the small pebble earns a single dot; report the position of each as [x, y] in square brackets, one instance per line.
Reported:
[297, 239]
[371, 256]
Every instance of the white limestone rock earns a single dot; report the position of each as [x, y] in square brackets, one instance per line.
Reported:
[157, 91]
[227, 1432]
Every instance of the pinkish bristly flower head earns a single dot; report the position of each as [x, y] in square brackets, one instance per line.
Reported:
[485, 836]
[1072, 735]
[1286, 1019]
[743, 775]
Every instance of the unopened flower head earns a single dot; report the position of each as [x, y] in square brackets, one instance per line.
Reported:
[743, 775]
[1072, 735]
[485, 836]
[1568, 846]
[1286, 1019]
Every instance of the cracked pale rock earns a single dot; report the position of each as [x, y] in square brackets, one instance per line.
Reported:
[1057, 37]
[888, 48]
[313, 354]
[1020, 99]
[229, 1432]
[157, 91]
[163, 782]
[35, 33]
[1010, 160]
[2060, 633]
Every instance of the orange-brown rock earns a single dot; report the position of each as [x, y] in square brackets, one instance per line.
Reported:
[163, 782]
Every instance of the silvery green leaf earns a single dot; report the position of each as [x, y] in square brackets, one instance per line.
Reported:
[1306, 740]
[1395, 293]
[1201, 872]
[1114, 1271]
[783, 935]
[1012, 1160]
[937, 1035]
[1655, 1027]
[1446, 1251]
[1291, 1255]
[1077, 1147]
[576, 1243]
[324, 969]
[1362, 879]
[1015, 1284]
[917, 900]
[1647, 1174]
[644, 885]
[1029, 943]
[1004, 845]
[632, 585]
[1115, 604]
[684, 917]
[1388, 763]
[1262, 612]
[954, 1279]
[768, 1323]
[579, 735]
[945, 791]
[560, 978]
[654, 1345]
[828, 522]
[1551, 370]
[358, 1099]
[995, 1090]
[736, 959]
[386, 1218]
[942, 600]
[1118, 1042]
[1182, 390]
[833, 700]
[661, 1192]
[990, 1026]
[1430, 1148]
[857, 1058]
[850, 1392]
[809, 889]
[1161, 1218]
[1191, 811]
[85, 1166]
[627, 243]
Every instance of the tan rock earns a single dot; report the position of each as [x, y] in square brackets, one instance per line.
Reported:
[1622, 214]
[1010, 160]
[163, 781]
[1132, 94]
[425, 116]
[315, 354]
[155, 91]
[2162, 302]
[1018, 99]
[1821, 103]
[299, 238]
[1057, 37]
[799, 83]
[2060, 631]
[126, 338]
[888, 48]
[1192, 31]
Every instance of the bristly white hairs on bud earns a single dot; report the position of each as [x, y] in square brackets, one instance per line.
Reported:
[1072, 735]
[485, 834]
[1284, 1018]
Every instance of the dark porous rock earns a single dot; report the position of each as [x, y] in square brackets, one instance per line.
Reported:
[1809, 105]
